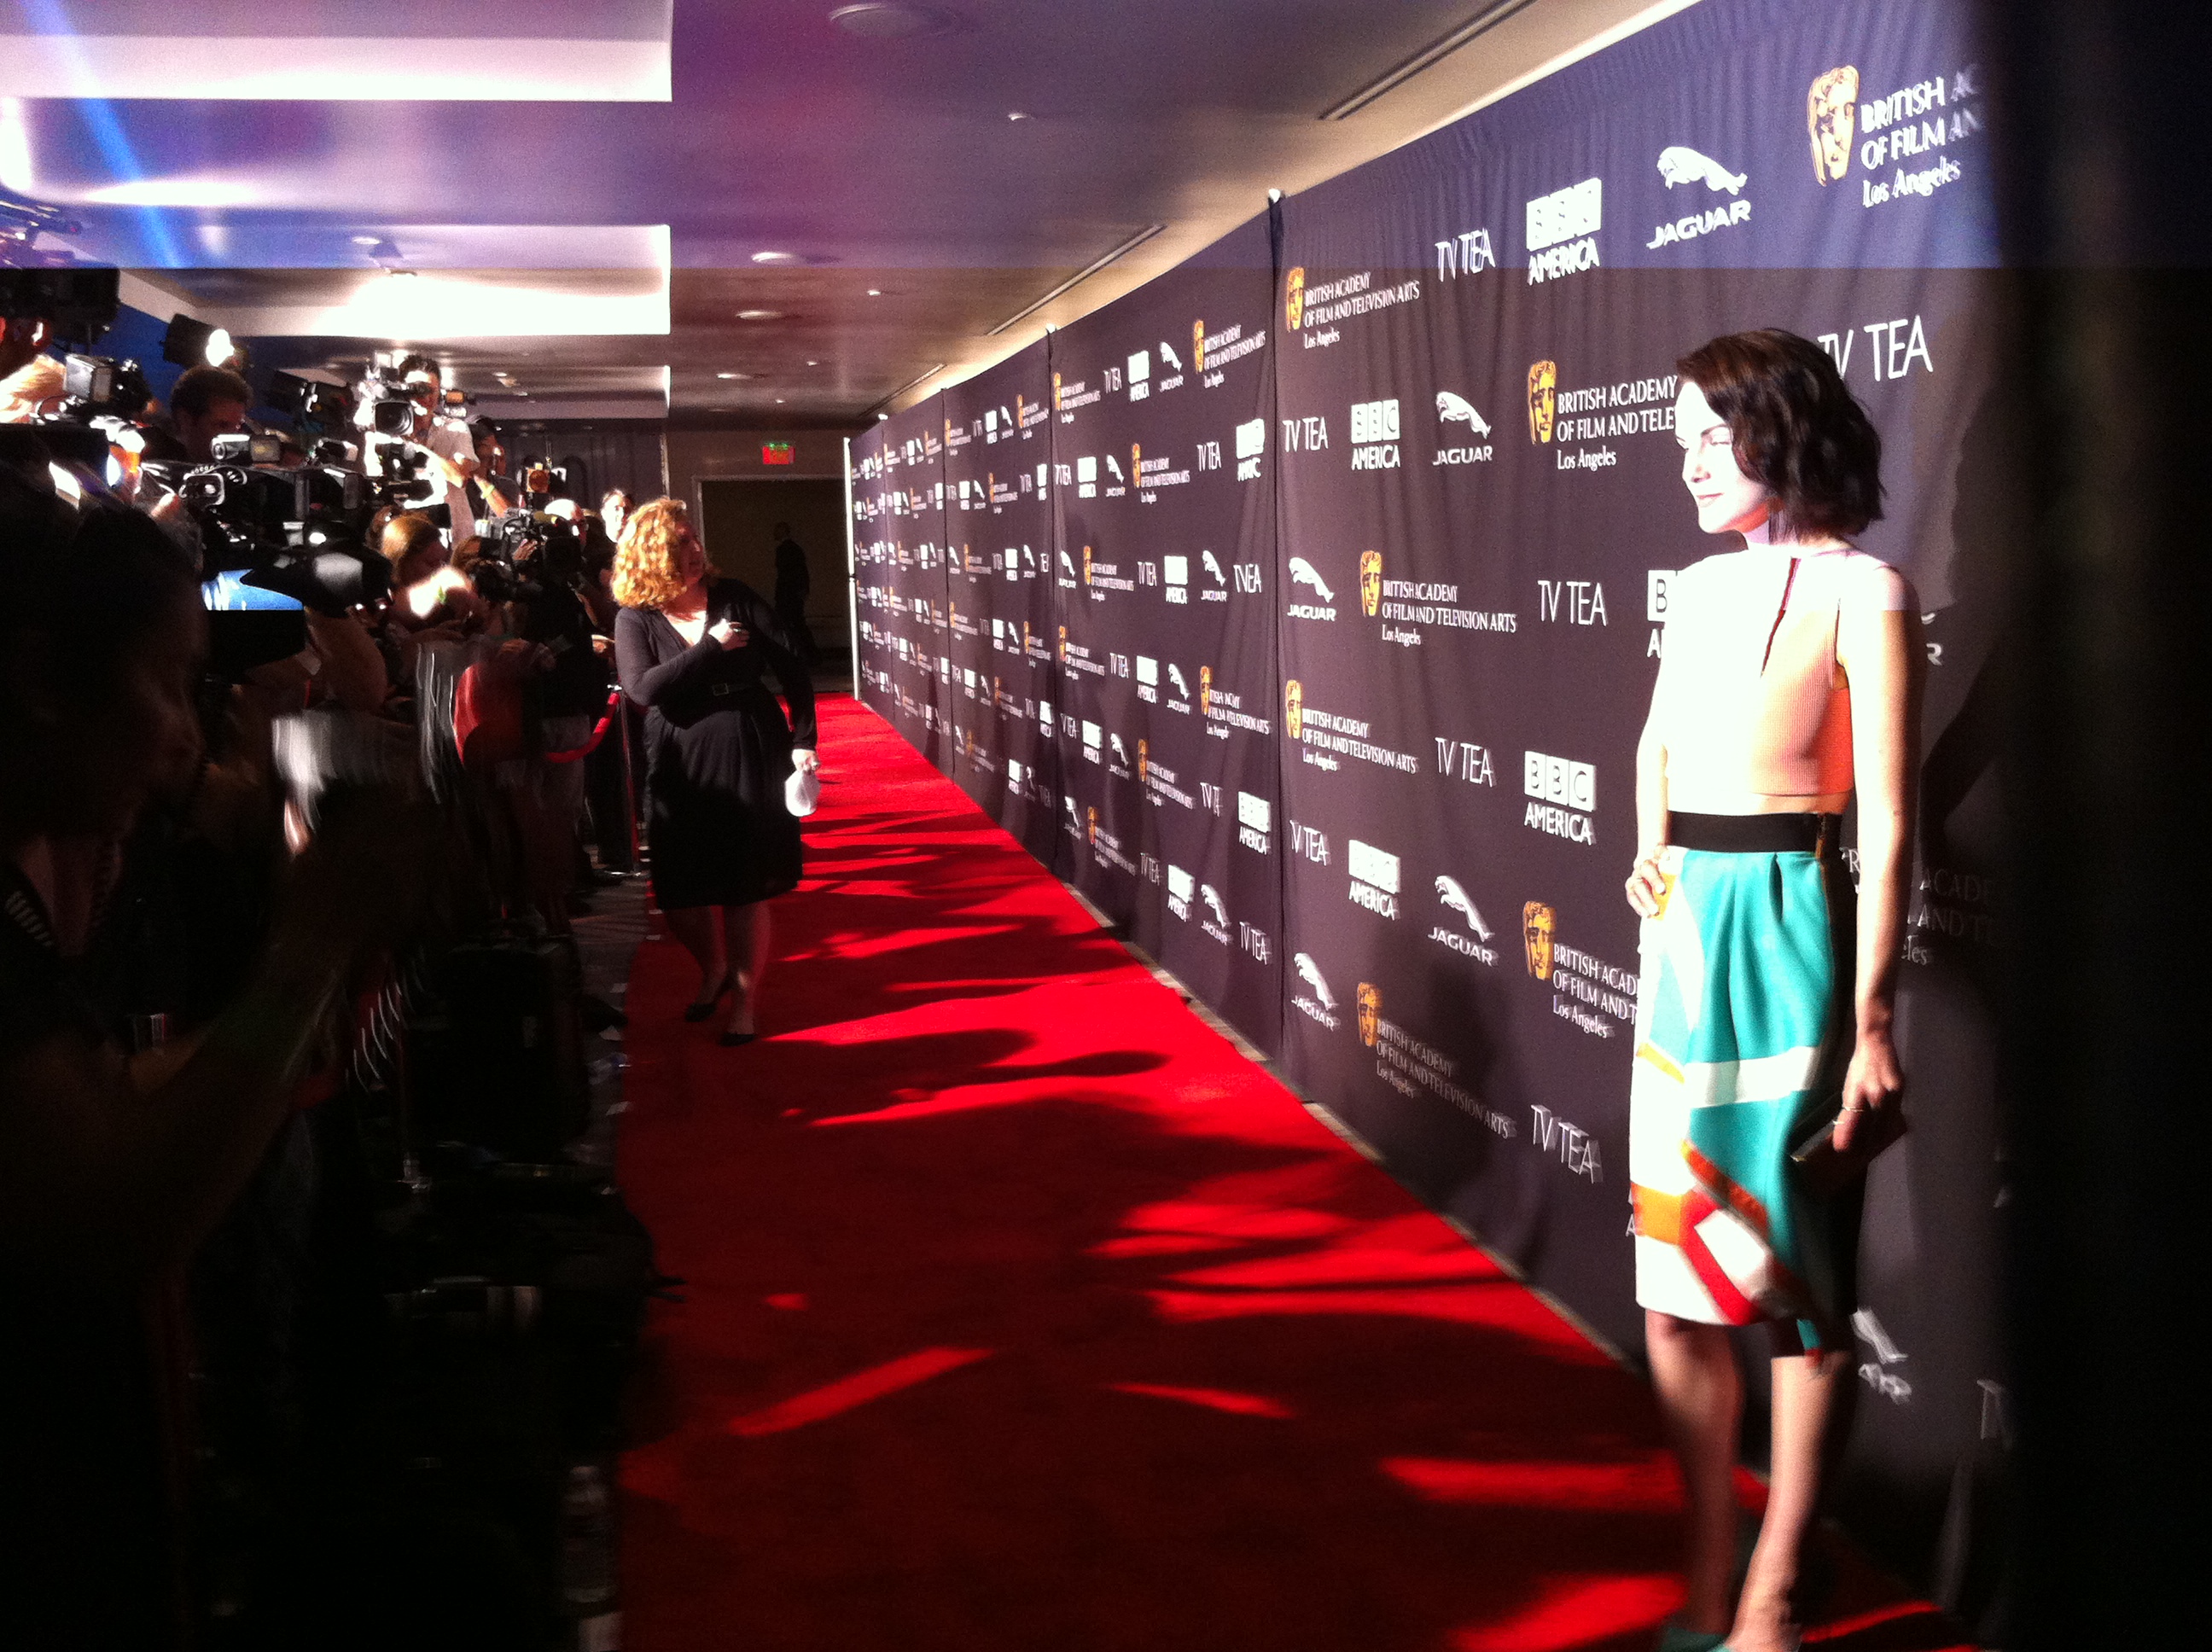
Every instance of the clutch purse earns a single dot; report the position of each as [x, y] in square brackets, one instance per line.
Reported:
[802, 791]
[1822, 1168]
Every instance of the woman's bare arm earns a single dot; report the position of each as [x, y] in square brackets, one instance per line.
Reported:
[1880, 653]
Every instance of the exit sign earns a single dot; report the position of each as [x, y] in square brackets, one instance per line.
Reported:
[775, 452]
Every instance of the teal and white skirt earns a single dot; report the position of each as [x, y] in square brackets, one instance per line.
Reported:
[1742, 1032]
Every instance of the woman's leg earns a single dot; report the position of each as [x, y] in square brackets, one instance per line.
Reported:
[1806, 1411]
[1701, 1406]
[745, 937]
[695, 927]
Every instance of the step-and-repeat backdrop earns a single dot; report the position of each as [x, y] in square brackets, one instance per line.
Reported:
[1353, 552]
[999, 544]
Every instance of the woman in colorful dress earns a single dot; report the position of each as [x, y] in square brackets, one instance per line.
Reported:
[1764, 1073]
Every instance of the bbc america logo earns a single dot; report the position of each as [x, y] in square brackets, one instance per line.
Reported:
[1562, 793]
[1374, 878]
[1562, 230]
[1375, 435]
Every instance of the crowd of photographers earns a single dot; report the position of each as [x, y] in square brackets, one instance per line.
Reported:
[294, 731]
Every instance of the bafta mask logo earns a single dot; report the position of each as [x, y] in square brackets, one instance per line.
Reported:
[1198, 346]
[1370, 582]
[1205, 690]
[1055, 393]
[1294, 706]
[1294, 298]
[1029, 639]
[1090, 815]
[1370, 1002]
[1543, 398]
[1086, 565]
[997, 698]
[1831, 118]
[948, 430]
[1136, 464]
[952, 609]
[1538, 921]
[1144, 758]
[1021, 413]
[1063, 645]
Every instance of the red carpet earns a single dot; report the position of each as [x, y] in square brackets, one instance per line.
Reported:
[1023, 1313]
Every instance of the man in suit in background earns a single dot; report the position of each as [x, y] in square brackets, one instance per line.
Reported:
[791, 587]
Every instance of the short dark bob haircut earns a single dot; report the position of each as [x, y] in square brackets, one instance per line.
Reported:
[1798, 430]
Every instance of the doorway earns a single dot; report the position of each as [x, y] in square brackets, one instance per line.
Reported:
[736, 523]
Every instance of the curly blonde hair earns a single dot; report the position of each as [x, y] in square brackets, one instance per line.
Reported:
[646, 574]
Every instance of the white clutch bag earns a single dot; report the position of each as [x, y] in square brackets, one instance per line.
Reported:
[802, 792]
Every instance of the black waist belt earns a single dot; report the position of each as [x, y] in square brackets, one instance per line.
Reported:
[1756, 834]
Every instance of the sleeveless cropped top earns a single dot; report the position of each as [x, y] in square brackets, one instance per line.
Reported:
[1751, 698]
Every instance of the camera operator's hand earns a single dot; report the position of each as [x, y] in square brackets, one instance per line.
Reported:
[729, 634]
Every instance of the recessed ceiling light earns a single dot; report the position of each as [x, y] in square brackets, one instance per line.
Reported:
[779, 401]
[760, 315]
[892, 20]
[814, 364]
[776, 257]
[734, 375]
[366, 240]
[875, 291]
[1017, 114]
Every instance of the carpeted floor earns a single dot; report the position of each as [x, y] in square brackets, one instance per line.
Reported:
[1023, 1313]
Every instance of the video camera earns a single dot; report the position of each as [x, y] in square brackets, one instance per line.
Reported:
[275, 540]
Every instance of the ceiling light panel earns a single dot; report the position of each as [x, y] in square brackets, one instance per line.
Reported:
[391, 51]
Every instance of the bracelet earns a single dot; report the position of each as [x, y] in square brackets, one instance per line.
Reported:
[1860, 1108]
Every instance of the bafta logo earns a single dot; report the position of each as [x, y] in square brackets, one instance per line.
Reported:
[952, 609]
[1831, 117]
[1198, 346]
[1543, 398]
[1294, 298]
[1294, 706]
[1086, 565]
[1136, 464]
[997, 698]
[1090, 814]
[1538, 921]
[1063, 645]
[1021, 413]
[1055, 393]
[1144, 758]
[1029, 639]
[1205, 690]
[1370, 1002]
[1370, 582]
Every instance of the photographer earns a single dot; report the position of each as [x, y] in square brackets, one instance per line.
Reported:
[453, 460]
[205, 402]
[27, 377]
[110, 1174]
[492, 491]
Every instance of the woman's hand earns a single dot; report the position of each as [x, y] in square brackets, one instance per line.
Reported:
[804, 761]
[1874, 1086]
[729, 634]
[1647, 886]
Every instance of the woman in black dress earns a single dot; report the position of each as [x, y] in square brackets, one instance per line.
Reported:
[718, 750]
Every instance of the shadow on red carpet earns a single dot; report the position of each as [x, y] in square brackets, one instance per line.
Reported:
[1023, 1313]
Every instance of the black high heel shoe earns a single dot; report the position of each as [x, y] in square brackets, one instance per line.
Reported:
[699, 1009]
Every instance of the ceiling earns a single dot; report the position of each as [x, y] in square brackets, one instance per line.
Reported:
[577, 194]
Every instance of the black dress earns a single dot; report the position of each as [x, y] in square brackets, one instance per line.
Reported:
[718, 750]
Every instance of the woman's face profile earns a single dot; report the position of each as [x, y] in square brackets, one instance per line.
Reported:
[1728, 501]
[690, 559]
